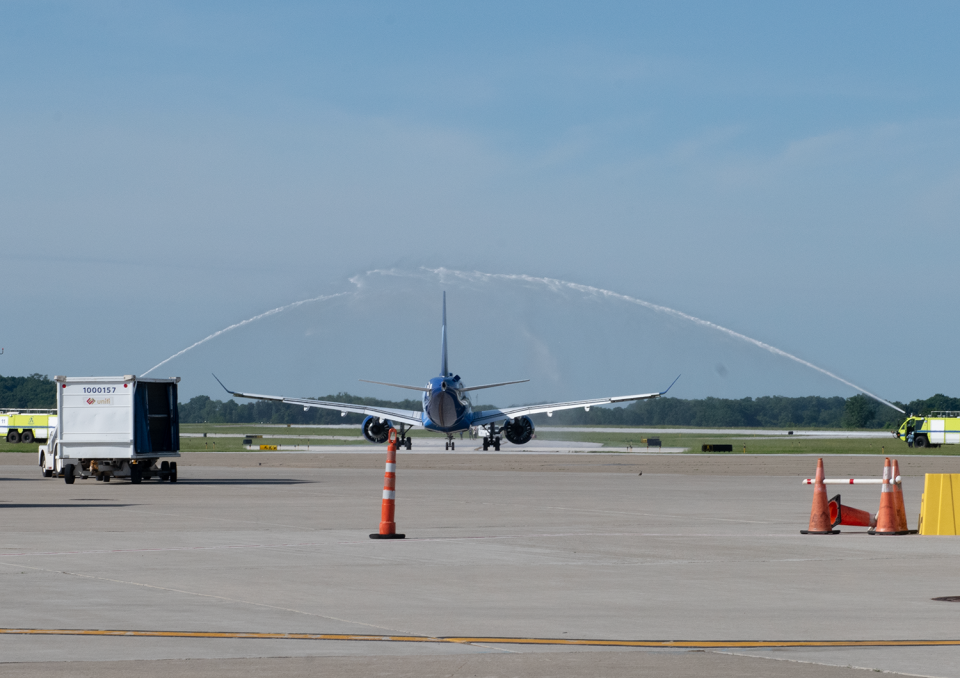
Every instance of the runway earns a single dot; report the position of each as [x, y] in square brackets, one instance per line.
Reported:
[558, 564]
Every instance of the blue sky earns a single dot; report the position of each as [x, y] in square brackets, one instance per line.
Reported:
[791, 172]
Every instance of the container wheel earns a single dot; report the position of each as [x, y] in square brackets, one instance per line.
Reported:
[68, 476]
[26, 437]
[13, 437]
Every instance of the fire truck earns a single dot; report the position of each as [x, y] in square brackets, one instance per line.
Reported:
[932, 430]
[27, 426]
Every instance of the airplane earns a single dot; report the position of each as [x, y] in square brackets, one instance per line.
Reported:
[447, 408]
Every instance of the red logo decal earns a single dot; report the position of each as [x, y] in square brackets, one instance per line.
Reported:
[90, 401]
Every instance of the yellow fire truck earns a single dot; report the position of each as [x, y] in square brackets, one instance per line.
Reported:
[27, 426]
[932, 430]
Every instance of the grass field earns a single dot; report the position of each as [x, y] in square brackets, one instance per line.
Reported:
[691, 439]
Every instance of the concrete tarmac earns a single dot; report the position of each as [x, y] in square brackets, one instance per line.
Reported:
[550, 547]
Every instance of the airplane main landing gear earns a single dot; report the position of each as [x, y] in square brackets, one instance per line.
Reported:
[403, 440]
[492, 439]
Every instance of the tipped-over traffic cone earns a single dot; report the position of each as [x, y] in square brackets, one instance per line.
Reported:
[887, 521]
[819, 512]
[898, 498]
[847, 515]
[388, 528]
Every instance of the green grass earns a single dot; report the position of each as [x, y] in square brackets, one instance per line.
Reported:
[753, 444]
[17, 447]
[691, 439]
[260, 429]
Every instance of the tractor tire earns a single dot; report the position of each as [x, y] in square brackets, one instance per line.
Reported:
[68, 476]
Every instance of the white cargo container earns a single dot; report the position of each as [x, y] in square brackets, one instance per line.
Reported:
[114, 427]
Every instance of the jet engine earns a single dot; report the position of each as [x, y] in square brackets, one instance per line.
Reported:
[519, 431]
[376, 431]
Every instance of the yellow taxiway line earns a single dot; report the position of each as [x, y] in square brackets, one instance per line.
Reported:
[595, 642]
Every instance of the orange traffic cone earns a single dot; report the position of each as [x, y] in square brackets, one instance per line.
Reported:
[898, 499]
[887, 521]
[388, 528]
[820, 512]
[847, 515]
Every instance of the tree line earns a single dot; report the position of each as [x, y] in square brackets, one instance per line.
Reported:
[859, 411]
[34, 392]
[765, 412]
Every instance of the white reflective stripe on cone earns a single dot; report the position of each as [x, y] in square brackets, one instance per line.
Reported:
[391, 468]
[389, 494]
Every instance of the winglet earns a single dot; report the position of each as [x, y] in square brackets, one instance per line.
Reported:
[671, 385]
[224, 387]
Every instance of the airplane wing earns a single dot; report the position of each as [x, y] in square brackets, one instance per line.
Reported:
[488, 416]
[409, 417]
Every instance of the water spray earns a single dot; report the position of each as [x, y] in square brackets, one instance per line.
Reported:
[556, 285]
[274, 311]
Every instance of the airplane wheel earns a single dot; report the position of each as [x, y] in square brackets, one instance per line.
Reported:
[173, 472]
[409, 443]
[453, 445]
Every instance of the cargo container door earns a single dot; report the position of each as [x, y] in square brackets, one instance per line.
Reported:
[157, 424]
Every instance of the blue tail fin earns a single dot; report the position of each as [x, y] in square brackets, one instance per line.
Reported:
[444, 372]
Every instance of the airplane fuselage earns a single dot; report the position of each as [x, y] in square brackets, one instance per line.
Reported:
[445, 408]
